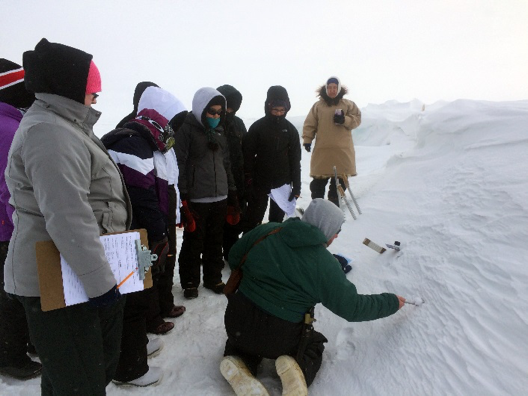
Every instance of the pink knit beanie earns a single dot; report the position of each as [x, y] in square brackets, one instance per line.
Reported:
[93, 84]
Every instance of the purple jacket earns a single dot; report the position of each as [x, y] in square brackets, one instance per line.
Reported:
[9, 119]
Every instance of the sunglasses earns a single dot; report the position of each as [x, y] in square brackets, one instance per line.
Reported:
[214, 112]
[166, 134]
[95, 95]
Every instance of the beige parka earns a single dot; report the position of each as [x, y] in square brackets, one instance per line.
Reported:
[333, 142]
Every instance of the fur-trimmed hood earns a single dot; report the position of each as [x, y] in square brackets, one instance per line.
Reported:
[321, 93]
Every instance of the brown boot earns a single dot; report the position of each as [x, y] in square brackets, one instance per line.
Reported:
[217, 288]
[163, 328]
[175, 312]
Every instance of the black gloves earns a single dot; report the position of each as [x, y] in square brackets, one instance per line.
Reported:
[344, 263]
[248, 189]
[107, 299]
[296, 192]
[339, 117]
[307, 146]
[187, 219]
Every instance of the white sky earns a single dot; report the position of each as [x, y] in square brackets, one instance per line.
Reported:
[381, 49]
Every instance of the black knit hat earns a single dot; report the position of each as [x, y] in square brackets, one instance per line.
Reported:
[277, 93]
[12, 88]
[232, 95]
[57, 69]
[140, 88]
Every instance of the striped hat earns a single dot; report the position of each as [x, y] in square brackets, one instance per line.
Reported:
[12, 88]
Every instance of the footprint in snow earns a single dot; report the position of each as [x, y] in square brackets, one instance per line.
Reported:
[344, 343]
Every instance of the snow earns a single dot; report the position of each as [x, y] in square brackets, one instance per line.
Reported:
[447, 180]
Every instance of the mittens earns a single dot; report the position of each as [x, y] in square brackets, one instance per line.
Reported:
[296, 192]
[161, 249]
[233, 215]
[344, 263]
[187, 218]
[339, 117]
[233, 208]
[107, 299]
[307, 146]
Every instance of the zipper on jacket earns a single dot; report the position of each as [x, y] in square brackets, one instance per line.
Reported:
[214, 171]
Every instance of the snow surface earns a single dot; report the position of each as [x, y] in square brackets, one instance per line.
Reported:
[449, 181]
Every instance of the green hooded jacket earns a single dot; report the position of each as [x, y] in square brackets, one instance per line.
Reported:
[289, 272]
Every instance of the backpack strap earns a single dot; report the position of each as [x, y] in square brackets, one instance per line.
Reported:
[236, 275]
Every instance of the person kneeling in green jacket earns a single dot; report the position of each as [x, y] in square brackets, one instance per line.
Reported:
[287, 270]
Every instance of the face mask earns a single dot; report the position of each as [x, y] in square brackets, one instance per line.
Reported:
[213, 122]
[164, 137]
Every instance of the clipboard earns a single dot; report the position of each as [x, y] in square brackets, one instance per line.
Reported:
[50, 272]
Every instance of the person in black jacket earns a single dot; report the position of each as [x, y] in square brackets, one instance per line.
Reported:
[234, 130]
[272, 158]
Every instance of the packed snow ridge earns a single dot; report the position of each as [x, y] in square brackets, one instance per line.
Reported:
[447, 180]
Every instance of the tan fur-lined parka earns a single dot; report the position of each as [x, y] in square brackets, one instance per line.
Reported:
[333, 142]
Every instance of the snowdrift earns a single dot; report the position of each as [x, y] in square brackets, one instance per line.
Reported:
[449, 181]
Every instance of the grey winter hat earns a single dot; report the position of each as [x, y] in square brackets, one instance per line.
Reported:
[324, 215]
[202, 99]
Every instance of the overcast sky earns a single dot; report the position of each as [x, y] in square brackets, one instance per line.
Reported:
[381, 49]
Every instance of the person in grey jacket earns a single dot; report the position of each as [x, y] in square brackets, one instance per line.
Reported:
[65, 187]
[207, 191]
